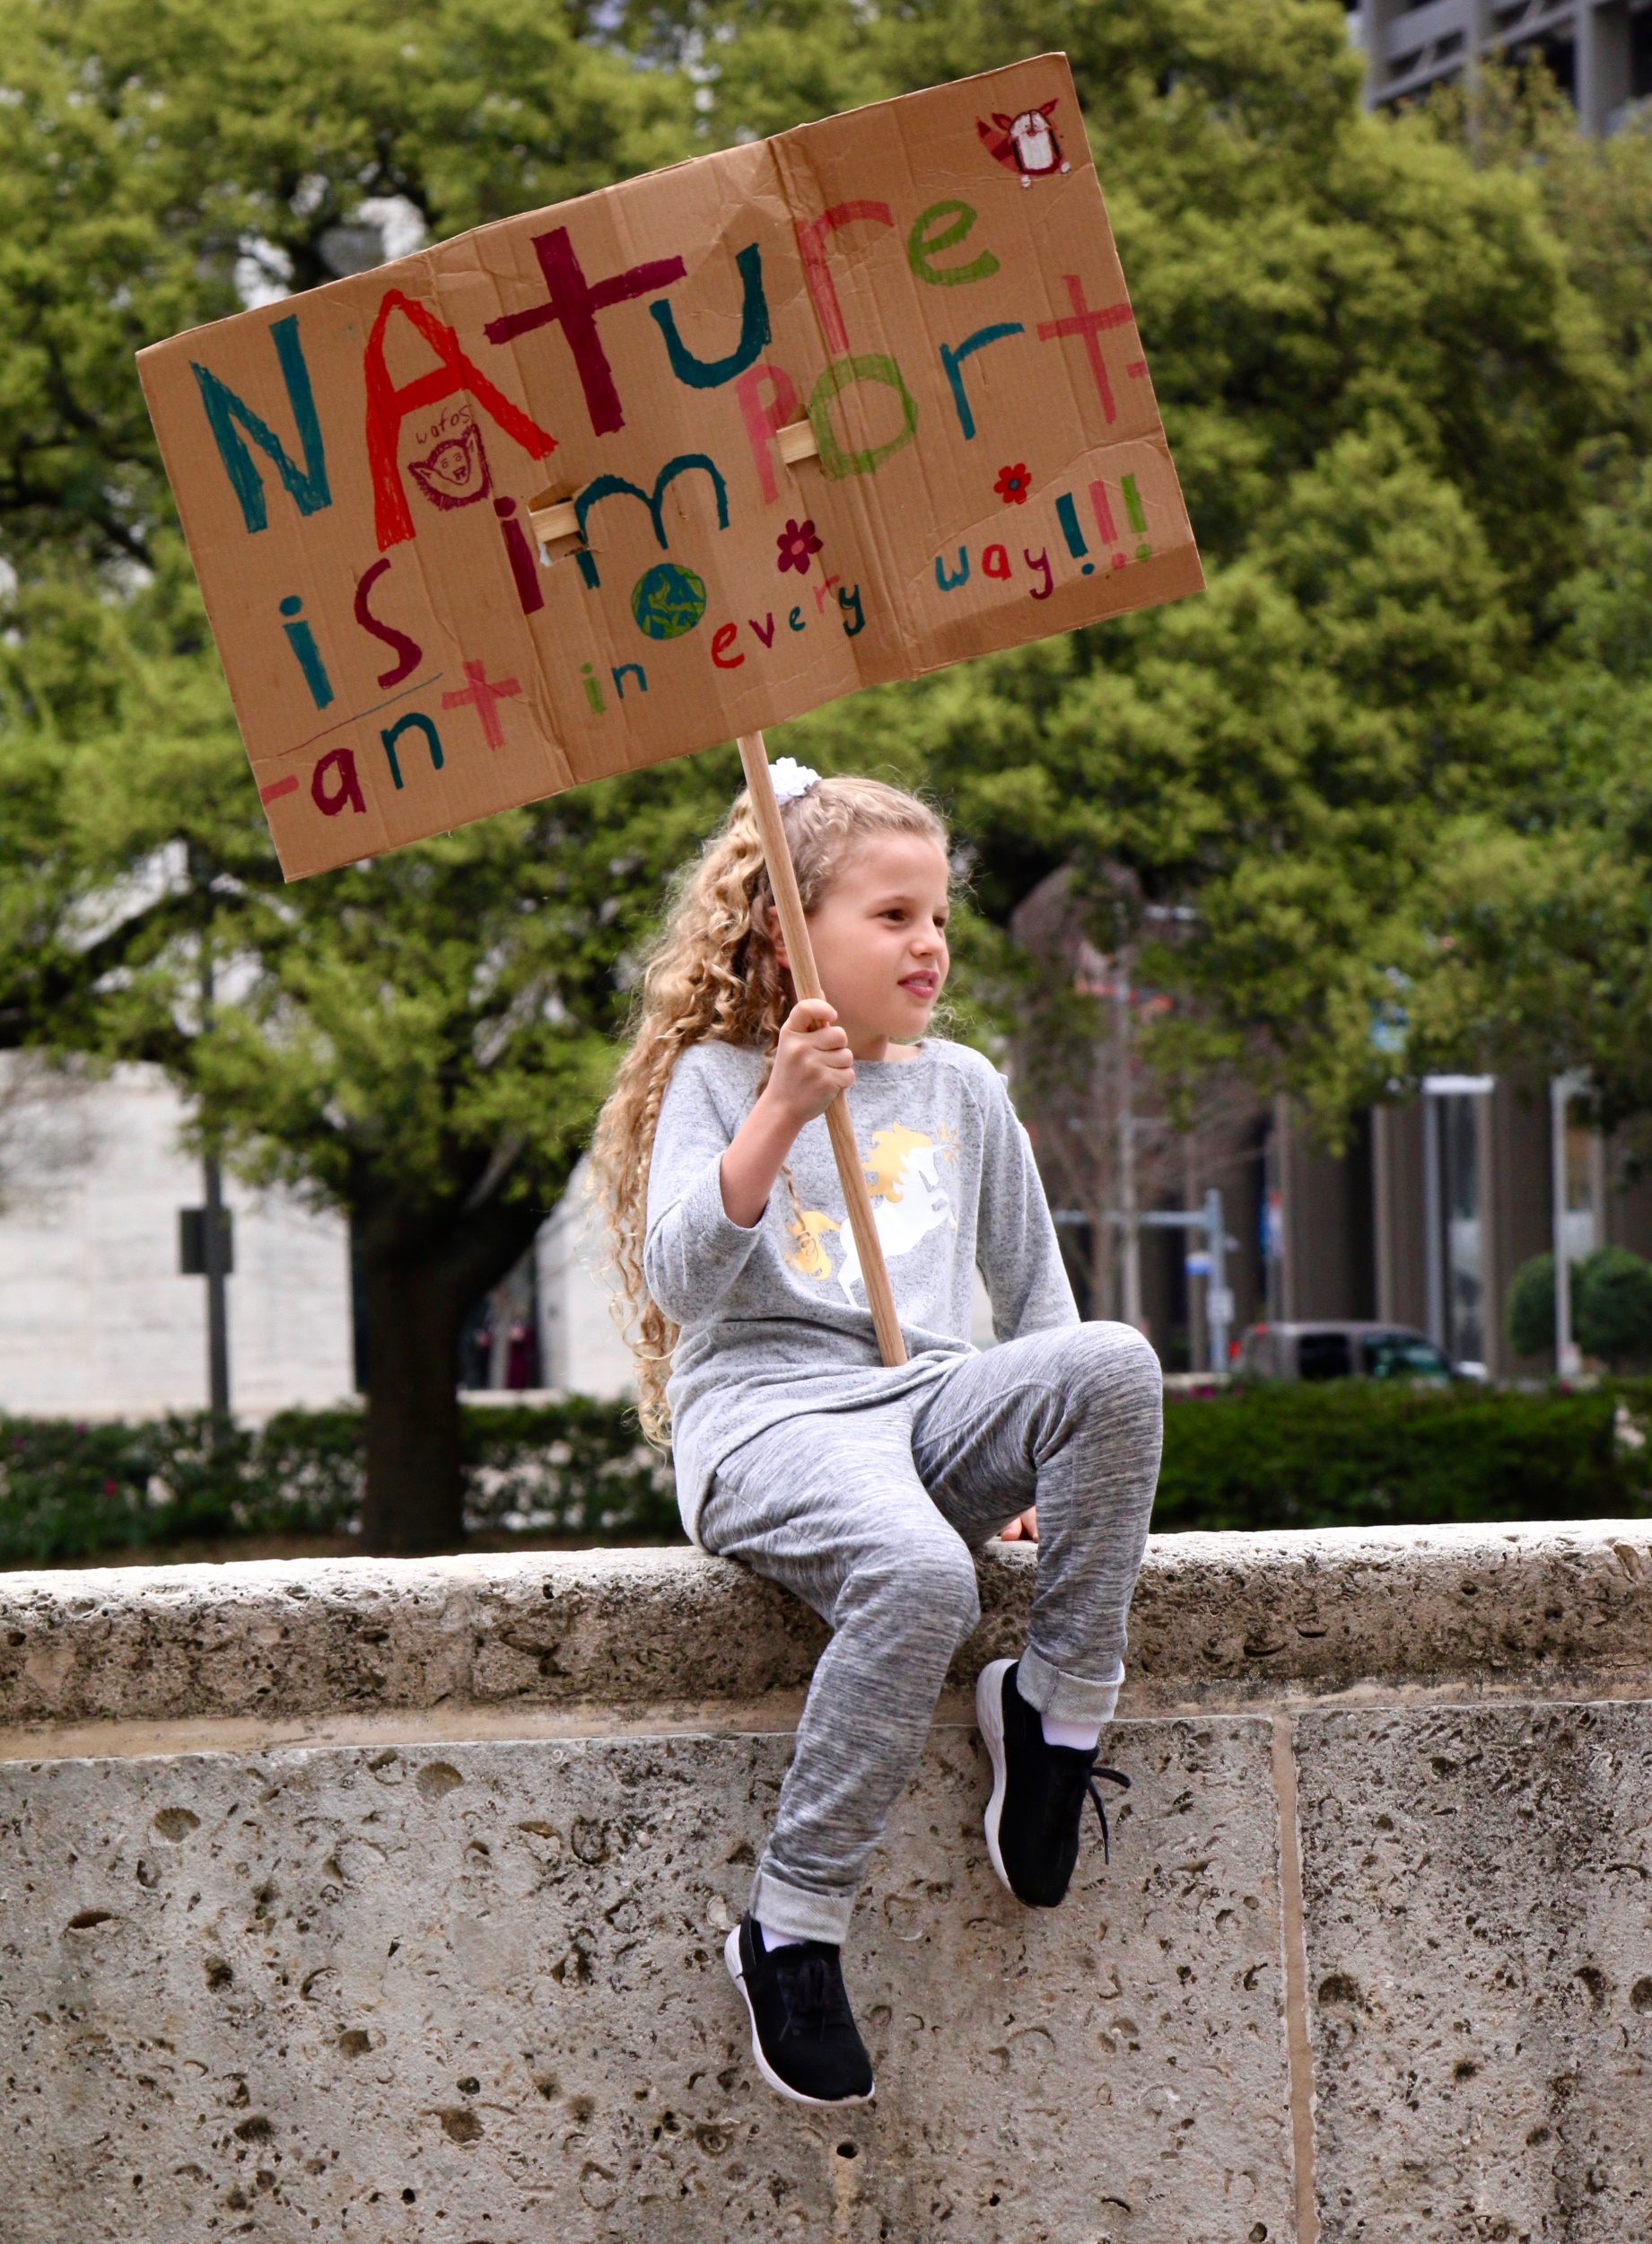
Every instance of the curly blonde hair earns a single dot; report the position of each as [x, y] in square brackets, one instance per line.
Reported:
[712, 976]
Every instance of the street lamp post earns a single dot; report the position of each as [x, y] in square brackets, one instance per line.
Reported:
[1209, 1262]
[215, 1250]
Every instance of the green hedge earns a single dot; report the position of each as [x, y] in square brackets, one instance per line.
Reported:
[576, 1468]
[1338, 1455]
[1357, 1454]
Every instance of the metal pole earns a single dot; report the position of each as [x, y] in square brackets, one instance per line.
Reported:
[1127, 1135]
[1273, 1224]
[1198, 1302]
[217, 1295]
[1101, 1303]
[1433, 1220]
[1568, 1359]
[1218, 1307]
[217, 1291]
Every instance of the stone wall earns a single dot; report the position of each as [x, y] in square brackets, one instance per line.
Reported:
[384, 1901]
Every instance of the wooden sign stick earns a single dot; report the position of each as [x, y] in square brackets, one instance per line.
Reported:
[806, 981]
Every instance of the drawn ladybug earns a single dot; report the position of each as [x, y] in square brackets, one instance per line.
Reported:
[1025, 143]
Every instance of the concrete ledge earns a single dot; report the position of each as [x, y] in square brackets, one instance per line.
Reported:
[1218, 1620]
[384, 1901]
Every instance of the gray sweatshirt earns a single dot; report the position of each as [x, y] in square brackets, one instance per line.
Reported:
[773, 1318]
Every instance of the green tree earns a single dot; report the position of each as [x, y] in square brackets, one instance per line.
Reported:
[1612, 1307]
[1535, 919]
[1529, 1312]
[1375, 371]
[421, 1043]
[149, 148]
[1377, 375]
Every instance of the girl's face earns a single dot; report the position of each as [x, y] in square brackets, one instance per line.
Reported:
[879, 935]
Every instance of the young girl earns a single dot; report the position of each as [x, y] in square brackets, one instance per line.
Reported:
[866, 1489]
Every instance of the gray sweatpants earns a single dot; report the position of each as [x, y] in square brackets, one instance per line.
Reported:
[871, 1516]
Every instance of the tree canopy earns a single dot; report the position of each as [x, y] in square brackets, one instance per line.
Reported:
[1380, 375]
[157, 157]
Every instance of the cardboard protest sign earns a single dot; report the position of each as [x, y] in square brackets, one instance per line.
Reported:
[799, 418]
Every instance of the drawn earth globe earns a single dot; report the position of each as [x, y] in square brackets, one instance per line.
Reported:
[667, 600]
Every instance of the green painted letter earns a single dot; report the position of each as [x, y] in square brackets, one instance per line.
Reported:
[921, 246]
[843, 375]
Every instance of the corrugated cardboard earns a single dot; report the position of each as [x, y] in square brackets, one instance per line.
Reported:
[930, 285]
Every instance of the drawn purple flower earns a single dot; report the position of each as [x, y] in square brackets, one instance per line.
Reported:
[1014, 484]
[797, 543]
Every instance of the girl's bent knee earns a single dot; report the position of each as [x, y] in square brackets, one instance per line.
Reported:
[1114, 1365]
[932, 1582]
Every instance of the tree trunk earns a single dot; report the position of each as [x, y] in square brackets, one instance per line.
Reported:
[414, 1486]
[422, 1267]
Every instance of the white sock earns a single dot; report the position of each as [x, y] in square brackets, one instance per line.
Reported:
[773, 1940]
[1085, 1736]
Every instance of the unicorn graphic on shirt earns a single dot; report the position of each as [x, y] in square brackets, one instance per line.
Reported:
[908, 1199]
[811, 1260]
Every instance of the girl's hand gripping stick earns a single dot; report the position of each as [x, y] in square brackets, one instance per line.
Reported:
[806, 981]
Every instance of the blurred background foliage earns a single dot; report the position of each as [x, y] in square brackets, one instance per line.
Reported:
[576, 1472]
[185, 1486]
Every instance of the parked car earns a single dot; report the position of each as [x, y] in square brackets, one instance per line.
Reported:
[1346, 1350]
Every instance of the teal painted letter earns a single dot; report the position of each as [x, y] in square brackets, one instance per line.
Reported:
[308, 485]
[953, 361]
[711, 373]
[414, 721]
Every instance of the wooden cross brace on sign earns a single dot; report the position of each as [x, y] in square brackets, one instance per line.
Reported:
[556, 522]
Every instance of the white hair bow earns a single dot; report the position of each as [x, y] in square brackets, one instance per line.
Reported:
[791, 779]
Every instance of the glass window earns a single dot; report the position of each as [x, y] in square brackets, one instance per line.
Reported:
[1402, 1355]
[1324, 1355]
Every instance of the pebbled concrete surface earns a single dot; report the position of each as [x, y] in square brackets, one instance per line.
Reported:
[478, 1995]
[1218, 1620]
[464, 1942]
[1477, 1883]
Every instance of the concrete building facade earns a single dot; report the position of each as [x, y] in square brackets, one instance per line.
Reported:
[97, 1319]
[1599, 50]
[1424, 1217]
[1434, 1205]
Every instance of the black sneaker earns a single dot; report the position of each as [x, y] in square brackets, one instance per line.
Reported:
[1038, 1793]
[803, 2032]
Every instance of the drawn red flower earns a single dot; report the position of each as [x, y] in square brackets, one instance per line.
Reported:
[797, 543]
[1013, 484]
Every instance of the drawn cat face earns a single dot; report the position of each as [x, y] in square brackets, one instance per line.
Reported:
[1035, 142]
[454, 472]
